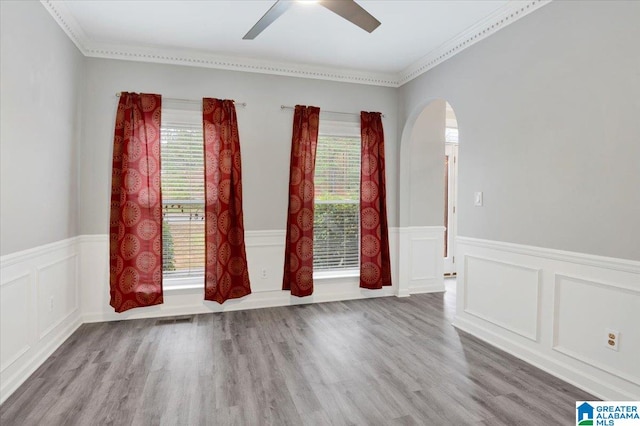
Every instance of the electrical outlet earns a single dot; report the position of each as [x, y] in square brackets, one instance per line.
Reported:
[263, 273]
[612, 339]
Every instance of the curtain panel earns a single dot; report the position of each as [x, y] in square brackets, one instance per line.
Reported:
[135, 244]
[298, 259]
[375, 262]
[226, 273]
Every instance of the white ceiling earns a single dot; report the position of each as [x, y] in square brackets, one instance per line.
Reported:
[307, 37]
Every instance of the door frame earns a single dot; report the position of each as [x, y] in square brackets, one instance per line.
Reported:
[451, 150]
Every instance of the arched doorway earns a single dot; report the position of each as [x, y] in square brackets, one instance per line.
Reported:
[428, 183]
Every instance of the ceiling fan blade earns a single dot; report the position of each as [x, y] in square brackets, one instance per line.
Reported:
[267, 19]
[352, 12]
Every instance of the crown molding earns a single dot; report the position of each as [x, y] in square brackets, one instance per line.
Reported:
[506, 15]
[498, 20]
[234, 63]
[68, 23]
[74, 31]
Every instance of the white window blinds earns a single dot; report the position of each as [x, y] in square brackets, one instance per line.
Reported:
[337, 201]
[451, 135]
[182, 193]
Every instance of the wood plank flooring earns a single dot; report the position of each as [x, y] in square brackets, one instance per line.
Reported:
[386, 361]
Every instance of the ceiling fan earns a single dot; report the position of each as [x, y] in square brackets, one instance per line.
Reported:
[348, 9]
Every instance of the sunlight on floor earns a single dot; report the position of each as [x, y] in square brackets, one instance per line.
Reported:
[450, 297]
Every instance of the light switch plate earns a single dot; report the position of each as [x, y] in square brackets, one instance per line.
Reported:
[477, 199]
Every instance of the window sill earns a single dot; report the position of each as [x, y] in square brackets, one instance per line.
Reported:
[335, 275]
[189, 284]
[172, 285]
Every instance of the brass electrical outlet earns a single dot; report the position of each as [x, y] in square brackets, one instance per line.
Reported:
[613, 339]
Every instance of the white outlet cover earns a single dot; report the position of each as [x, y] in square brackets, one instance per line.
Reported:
[614, 336]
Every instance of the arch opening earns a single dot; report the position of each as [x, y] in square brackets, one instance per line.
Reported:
[428, 192]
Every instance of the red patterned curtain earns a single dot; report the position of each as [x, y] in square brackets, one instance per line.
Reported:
[135, 245]
[375, 263]
[298, 257]
[226, 274]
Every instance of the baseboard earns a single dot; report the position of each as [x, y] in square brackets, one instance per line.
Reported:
[404, 292]
[545, 363]
[260, 300]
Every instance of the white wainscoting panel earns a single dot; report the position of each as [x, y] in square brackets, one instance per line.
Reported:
[16, 312]
[39, 308]
[574, 299]
[421, 260]
[94, 273]
[265, 252]
[56, 299]
[584, 310]
[504, 294]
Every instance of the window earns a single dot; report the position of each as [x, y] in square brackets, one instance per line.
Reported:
[451, 135]
[182, 195]
[336, 242]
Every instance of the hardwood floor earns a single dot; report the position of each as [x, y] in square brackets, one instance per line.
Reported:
[386, 361]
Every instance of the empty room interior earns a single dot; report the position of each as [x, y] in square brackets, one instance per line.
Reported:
[318, 212]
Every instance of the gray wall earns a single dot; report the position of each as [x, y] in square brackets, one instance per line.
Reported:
[265, 130]
[549, 117]
[426, 206]
[41, 75]
[548, 121]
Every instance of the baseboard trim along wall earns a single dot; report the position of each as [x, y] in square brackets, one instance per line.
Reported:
[554, 309]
